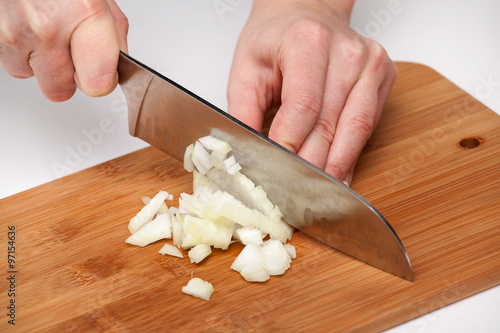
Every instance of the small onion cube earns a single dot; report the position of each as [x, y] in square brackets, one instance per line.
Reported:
[177, 221]
[291, 251]
[171, 250]
[199, 252]
[188, 158]
[148, 211]
[228, 163]
[215, 144]
[188, 241]
[234, 169]
[249, 235]
[276, 258]
[201, 159]
[159, 228]
[198, 288]
[250, 264]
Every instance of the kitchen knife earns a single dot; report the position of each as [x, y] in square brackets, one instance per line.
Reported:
[170, 117]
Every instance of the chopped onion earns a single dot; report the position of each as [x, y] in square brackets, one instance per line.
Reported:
[215, 144]
[249, 235]
[188, 241]
[226, 206]
[291, 251]
[199, 252]
[250, 264]
[207, 232]
[157, 229]
[188, 158]
[276, 258]
[171, 250]
[257, 262]
[234, 169]
[201, 159]
[163, 207]
[196, 287]
[148, 211]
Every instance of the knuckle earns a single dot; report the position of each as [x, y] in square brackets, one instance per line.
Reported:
[380, 59]
[363, 124]
[314, 34]
[307, 106]
[379, 55]
[354, 51]
[122, 21]
[44, 27]
[325, 130]
[9, 36]
[335, 170]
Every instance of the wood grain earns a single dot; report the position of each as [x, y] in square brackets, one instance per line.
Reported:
[76, 274]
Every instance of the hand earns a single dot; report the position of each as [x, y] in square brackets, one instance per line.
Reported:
[329, 82]
[64, 44]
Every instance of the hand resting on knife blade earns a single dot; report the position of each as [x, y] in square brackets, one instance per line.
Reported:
[64, 44]
[329, 82]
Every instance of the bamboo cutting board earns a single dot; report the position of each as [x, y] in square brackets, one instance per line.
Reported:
[432, 168]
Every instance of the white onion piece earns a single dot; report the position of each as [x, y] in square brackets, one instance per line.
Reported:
[177, 221]
[188, 158]
[249, 236]
[198, 288]
[171, 250]
[250, 264]
[201, 158]
[215, 144]
[191, 204]
[200, 180]
[148, 211]
[163, 208]
[234, 169]
[172, 210]
[276, 258]
[199, 252]
[228, 163]
[291, 251]
[208, 232]
[157, 229]
[217, 158]
[188, 241]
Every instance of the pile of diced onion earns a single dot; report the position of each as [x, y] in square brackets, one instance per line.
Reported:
[225, 207]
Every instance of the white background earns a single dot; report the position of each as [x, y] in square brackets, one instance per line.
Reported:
[192, 42]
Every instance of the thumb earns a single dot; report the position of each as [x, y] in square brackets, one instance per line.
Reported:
[94, 49]
[248, 92]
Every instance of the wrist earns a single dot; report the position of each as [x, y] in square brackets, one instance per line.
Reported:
[342, 8]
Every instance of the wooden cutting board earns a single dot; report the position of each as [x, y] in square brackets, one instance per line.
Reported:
[74, 273]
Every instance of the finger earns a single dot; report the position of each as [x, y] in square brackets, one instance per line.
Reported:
[95, 49]
[121, 23]
[304, 72]
[13, 53]
[15, 62]
[249, 92]
[357, 121]
[341, 77]
[37, 49]
[54, 73]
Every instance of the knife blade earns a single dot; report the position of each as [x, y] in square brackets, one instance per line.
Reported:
[170, 117]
